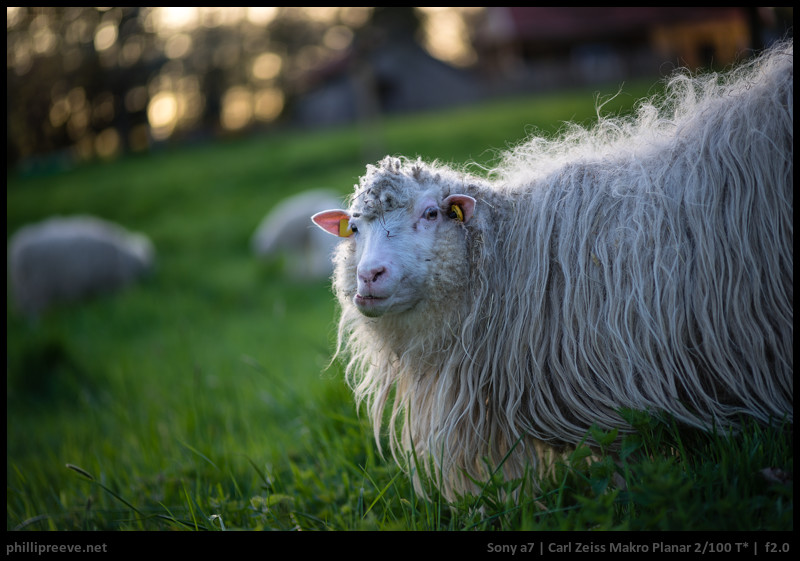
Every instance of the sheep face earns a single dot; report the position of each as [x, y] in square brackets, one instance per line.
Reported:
[394, 252]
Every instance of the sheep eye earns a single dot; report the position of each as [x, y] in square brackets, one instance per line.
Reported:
[431, 214]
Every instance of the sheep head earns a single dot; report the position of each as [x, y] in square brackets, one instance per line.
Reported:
[401, 233]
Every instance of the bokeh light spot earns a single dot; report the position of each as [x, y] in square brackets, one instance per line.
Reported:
[107, 143]
[237, 108]
[178, 45]
[105, 36]
[162, 113]
[268, 104]
[267, 66]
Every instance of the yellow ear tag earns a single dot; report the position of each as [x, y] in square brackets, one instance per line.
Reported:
[344, 228]
[459, 214]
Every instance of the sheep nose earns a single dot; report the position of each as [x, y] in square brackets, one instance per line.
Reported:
[370, 275]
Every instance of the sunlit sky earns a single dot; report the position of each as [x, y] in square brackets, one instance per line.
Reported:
[174, 100]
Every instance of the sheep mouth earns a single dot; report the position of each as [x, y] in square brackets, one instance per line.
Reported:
[370, 305]
[367, 298]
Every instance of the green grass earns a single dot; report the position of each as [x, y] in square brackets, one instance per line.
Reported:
[202, 398]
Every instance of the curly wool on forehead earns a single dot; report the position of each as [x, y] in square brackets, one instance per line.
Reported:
[392, 184]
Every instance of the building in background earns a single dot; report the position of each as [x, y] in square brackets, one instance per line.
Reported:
[554, 47]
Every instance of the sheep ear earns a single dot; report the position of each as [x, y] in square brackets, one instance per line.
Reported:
[336, 222]
[462, 206]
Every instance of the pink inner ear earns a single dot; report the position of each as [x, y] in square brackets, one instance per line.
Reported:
[465, 202]
[330, 221]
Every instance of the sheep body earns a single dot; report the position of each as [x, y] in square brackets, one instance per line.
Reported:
[645, 264]
[67, 258]
[285, 231]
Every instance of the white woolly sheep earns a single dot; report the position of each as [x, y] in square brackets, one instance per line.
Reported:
[64, 259]
[285, 231]
[643, 264]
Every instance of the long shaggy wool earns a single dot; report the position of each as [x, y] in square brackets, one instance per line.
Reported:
[645, 263]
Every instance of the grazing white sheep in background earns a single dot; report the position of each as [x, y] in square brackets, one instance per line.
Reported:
[63, 259]
[285, 232]
[644, 264]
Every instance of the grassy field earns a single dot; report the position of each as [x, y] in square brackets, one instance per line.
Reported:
[202, 398]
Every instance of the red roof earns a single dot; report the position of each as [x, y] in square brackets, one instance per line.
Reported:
[553, 24]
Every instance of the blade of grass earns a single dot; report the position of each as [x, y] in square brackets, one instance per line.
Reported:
[196, 451]
[191, 507]
[91, 478]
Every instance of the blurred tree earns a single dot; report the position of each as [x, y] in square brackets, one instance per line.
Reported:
[83, 82]
[69, 71]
